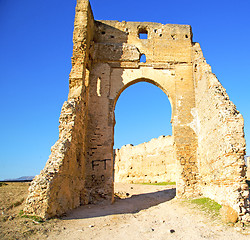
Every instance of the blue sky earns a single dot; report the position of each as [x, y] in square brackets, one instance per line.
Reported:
[36, 47]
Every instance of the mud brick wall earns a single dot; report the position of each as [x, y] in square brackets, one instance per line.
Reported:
[152, 161]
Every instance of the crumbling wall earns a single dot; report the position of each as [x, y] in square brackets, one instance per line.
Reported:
[248, 166]
[221, 143]
[152, 161]
[61, 184]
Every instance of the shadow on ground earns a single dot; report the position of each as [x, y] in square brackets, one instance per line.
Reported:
[133, 204]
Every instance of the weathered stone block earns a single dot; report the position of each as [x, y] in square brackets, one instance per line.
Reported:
[153, 161]
[228, 214]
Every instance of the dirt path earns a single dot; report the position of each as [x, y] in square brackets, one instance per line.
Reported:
[142, 212]
[151, 215]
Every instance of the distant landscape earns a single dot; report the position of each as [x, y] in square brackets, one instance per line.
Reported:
[20, 179]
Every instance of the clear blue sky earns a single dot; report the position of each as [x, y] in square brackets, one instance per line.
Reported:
[35, 52]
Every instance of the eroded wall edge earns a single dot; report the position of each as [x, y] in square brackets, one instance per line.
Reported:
[60, 185]
[221, 142]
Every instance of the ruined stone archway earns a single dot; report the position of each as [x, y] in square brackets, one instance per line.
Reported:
[207, 128]
[100, 144]
[147, 161]
[143, 141]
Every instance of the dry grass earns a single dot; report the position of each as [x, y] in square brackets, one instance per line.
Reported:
[160, 183]
[13, 223]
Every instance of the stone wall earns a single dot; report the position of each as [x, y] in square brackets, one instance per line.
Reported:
[248, 167]
[152, 161]
[60, 186]
[221, 143]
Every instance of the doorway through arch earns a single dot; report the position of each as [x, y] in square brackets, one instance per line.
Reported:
[142, 112]
[143, 145]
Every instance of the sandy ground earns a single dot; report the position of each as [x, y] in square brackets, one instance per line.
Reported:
[141, 212]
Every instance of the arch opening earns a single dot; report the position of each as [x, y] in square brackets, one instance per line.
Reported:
[143, 141]
[141, 106]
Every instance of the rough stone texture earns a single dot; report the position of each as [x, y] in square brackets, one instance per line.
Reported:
[61, 184]
[207, 129]
[153, 161]
[248, 167]
[221, 143]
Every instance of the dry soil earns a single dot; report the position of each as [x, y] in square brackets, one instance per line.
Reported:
[139, 212]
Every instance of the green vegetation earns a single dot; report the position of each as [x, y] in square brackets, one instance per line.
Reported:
[160, 183]
[208, 205]
[32, 217]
